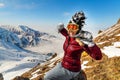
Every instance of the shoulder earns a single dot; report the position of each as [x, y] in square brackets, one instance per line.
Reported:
[86, 34]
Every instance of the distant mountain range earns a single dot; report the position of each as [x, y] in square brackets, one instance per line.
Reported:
[20, 36]
[21, 48]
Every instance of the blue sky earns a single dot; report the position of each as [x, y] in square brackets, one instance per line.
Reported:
[46, 14]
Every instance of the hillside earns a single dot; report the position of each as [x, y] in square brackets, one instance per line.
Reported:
[108, 68]
[105, 69]
[21, 48]
[109, 36]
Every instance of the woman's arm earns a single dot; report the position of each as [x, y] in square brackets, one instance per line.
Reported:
[93, 51]
[89, 46]
[62, 30]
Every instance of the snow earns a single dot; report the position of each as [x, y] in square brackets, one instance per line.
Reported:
[16, 63]
[34, 76]
[117, 44]
[118, 35]
[112, 51]
[10, 69]
[14, 60]
[12, 64]
[12, 74]
[83, 65]
[51, 45]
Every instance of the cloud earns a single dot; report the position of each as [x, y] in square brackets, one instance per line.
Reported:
[25, 6]
[66, 14]
[2, 5]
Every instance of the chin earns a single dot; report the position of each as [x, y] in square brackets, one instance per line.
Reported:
[71, 35]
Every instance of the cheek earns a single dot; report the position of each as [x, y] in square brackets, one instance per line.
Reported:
[72, 33]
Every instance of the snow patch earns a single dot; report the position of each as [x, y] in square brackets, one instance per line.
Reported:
[83, 65]
[111, 51]
[117, 44]
[118, 35]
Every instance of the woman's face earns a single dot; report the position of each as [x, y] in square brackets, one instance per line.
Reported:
[72, 33]
[72, 29]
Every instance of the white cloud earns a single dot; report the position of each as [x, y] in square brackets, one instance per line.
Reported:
[2, 5]
[66, 14]
[25, 6]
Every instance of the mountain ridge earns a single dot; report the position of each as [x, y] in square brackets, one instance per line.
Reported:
[21, 36]
[108, 36]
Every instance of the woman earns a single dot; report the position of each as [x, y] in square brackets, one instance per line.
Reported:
[76, 42]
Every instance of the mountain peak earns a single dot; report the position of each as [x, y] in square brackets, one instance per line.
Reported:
[118, 22]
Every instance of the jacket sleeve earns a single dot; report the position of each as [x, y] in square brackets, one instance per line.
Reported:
[64, 32]
[94, 52]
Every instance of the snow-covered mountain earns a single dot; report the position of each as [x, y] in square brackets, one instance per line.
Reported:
[14, 63]
[21, 36]
[21, 48]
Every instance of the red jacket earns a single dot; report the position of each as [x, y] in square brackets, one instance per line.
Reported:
[73, 51]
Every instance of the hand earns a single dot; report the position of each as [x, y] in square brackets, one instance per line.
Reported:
[60, 26]
[86, 38]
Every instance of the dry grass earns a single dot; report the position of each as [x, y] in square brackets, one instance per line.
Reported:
[105, 69]
[107, 41]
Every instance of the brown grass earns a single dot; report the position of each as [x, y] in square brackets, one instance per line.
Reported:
[105, 69]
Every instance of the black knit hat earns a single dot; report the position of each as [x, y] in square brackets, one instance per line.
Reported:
[79, 19]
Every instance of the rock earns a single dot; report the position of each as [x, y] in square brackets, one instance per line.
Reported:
[20, 78]
[1, 76]
[118, 21]
[100, 31]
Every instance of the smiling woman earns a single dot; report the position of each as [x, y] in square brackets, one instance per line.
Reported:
[76, 42]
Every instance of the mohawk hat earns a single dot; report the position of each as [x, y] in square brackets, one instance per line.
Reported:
[79, 19]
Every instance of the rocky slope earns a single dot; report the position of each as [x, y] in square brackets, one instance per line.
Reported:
[109, 36]
[105, 69]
